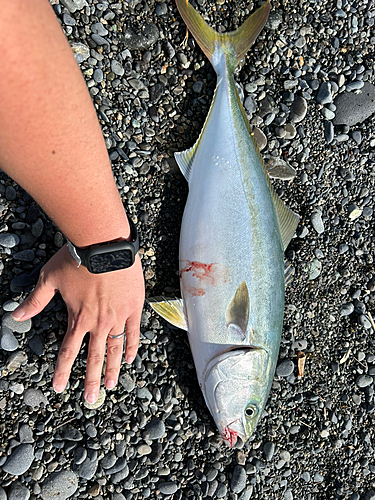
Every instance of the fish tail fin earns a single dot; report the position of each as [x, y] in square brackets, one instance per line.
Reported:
[239, 40]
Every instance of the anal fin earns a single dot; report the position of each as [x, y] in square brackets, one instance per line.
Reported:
[172, 310]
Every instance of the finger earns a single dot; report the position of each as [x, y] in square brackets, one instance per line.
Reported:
[68, 352]
[115, 349]
[35, 302]
[132, 338]
[94, 365]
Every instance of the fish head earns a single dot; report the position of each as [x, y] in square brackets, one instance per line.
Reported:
[236, 388]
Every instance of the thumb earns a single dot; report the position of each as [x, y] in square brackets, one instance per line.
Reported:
[35, 302]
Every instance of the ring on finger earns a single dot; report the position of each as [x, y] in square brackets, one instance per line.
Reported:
[117, 336]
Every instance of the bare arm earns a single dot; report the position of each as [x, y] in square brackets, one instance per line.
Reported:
[51, 144]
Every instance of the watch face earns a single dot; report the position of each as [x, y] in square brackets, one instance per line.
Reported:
[110, 261]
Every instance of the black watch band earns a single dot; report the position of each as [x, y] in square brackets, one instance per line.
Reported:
[109, 256]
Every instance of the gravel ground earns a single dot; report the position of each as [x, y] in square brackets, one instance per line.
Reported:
[308, 89]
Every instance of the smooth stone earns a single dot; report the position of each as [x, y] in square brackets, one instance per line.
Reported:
[317, 222]
[145, 40]
[20, 460]
[127, 382]
[144, 449]
[99, 29]
[328, 114]
[17, 388]
[60, 485]
[315, 269]
[285, 368]
[269, 450]
[70, 433]
[221, 490]
[18, 491]
[117, 68]
[26, 434]
[198, 86]
[3, 495]
[260, 138]
[10, 305]
[88, 467]
[8, 341]
[299, 109]
[36, 345]
[8, 240]
[155, 429]
[238, 481]
[16, 359]
[161, 9]
[16, 326]
[80, 455]
[347, 309]
[38, 226]
[10, 193]
[73, 5]
[99, 402]
[364, 381]
[356, 85]
[355, 108]
[120, 464]
[329, 132]
[324, 95]
[24, 255]
[167, 488]
[108, 460]
[34, 397]
[250, 105]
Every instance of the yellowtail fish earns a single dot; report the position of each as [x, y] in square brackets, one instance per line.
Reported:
[233, 236]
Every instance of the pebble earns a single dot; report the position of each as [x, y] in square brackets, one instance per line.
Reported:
[18, 491]
[155, 429]
[99, 402]
[317, 222]
[269, 450]
[16, 326]
[298, 110]
[127, 382]
[24, 255]
[347, 309]
[145, 40]
[81, 53]
[238, 482]
[26, 434]
[8, 240]
[8, 341]
[34, 398]
[60, 485]
[324, 95]
[329, 132]
[354, 108]
[16, 359]
[168, 488]
[88, 467]
[73, 5]
[3, 495]
[285, 368]
[20, 460]
[144, 449]
[364, 381]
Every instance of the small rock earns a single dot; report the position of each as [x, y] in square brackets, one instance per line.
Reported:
[8, 341]
[16, 359]
[99, 402]
[167, 488]
[20, 460]
[355, 108]
[285, 368]
[364, 381]
[34, 397]
[60, 485]
[238, 481]
[24, 255]
[3, 495]
[347, 309]
[117, 68]
[18, 491]
[8, 240]
[299, 109]
[155, 429]
[317, 222]
[269, 450]
[81, 52]
[329, 132]
[260, 138]
[127, 382]
[16, 326]
[324, 93]
[144, 449]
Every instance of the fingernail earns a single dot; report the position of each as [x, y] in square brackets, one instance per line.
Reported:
[91, 398]
[110, 384]
[129, 359]
[17, 314]
[59, 388]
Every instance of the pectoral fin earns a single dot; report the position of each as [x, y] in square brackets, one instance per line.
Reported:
[172, 310]
[237, 314]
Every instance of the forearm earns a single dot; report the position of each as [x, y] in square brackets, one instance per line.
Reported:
[50, 138]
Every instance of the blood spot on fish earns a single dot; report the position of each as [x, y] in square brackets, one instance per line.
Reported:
[205, 275]
[230, 436]
[203, 272]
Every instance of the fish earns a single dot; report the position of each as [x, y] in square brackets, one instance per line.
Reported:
[234, 232]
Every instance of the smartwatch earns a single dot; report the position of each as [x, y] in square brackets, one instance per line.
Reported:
[110, 256]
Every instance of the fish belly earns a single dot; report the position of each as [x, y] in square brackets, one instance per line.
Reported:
[229, 234]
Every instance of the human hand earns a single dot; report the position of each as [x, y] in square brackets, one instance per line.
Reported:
[101, 304]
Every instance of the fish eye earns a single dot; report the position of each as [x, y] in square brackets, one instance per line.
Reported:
[251, 411]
